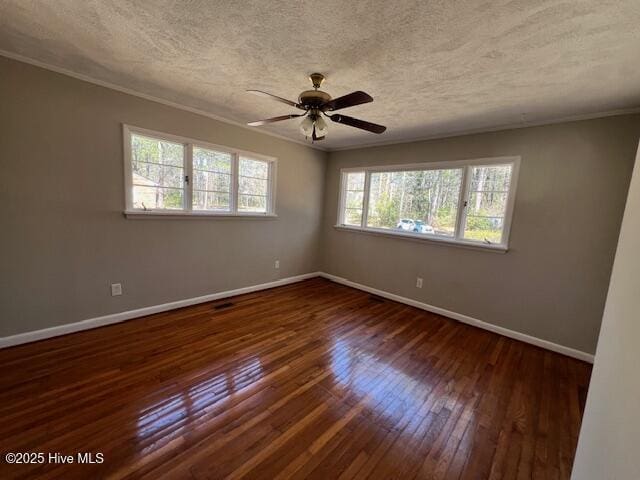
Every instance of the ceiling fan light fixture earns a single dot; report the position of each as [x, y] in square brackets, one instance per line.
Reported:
[306, 126]
[321, 127]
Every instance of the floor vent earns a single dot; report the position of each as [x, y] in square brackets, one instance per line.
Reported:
[373, 298]
[220, 306]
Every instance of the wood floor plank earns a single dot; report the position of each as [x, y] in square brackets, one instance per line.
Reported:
[308, 380]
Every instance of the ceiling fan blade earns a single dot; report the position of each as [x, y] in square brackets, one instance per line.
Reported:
[274, 97]
[350, 100]
[274, 119]
[354, 122]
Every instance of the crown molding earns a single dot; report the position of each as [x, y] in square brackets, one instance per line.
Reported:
[461, 133]
[135, 93]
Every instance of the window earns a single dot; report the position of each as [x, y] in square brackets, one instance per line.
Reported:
[466, 202]
[169, 175]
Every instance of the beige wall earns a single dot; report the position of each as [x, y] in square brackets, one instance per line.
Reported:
[553, 281]
[608, 444]
[64, 239]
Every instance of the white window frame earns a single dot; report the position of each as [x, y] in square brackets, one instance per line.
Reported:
[458, 238]
[187, 210]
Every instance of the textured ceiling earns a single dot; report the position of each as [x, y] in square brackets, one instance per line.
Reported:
[433, 67]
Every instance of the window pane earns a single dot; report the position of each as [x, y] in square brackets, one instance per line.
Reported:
[353, 216]
[157, 173]
[484, 229]
[153, 174]
[354, 200]
[210, 201]
[254, 168]
[205, 159]
[252, 203]
[355, 181]
[151, 150]
[157, 198]
[423, 201]
[204, 180]
[491, 178]
[252, 186]
[487, 204]
[211, 179]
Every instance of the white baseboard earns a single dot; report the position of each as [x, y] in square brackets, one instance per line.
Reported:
[140, 312]
[554, 347]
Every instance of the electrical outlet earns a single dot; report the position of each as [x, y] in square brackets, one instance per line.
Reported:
[418, 282]
[116, 289]
[277, 263]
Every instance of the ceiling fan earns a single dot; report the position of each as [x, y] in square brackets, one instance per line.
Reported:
[317, 104]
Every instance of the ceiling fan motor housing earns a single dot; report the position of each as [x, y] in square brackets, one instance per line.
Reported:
[313, 98]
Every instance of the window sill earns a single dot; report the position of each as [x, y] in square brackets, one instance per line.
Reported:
[141, 214]
[426, 238]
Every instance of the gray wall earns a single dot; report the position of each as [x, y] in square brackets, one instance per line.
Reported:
[63, 236]
[608, 444]
[553, 281]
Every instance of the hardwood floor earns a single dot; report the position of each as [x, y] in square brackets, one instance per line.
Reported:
[310, 380]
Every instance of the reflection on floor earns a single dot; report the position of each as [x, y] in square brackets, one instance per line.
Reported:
[311, 380]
